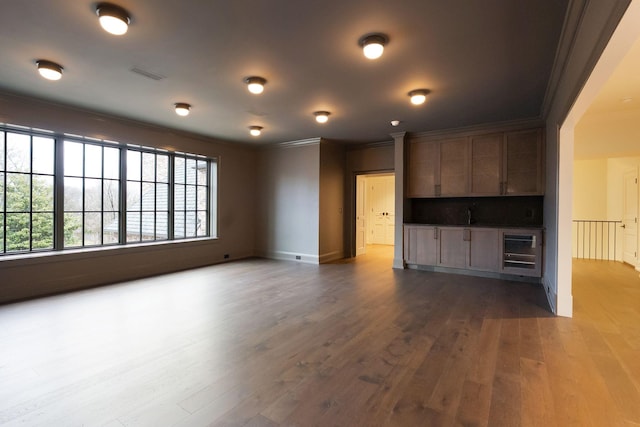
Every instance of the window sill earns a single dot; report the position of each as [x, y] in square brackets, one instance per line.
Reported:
[97, 252]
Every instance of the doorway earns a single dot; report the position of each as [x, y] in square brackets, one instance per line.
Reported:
[375, 210]
[617, 48]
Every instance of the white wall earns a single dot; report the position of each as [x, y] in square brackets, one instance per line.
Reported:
[24, 277]
[287, 214]
[597, 195]
[590, 189]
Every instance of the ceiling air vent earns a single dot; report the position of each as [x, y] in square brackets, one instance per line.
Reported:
[147, 74]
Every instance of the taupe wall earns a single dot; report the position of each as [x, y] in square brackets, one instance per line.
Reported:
[332, 172]
[23, 277]
[287, 214]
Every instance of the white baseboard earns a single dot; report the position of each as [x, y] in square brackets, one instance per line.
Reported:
[399, 263]
[552, 297]
[291, 256]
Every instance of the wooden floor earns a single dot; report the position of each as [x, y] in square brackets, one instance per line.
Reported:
[266, 343]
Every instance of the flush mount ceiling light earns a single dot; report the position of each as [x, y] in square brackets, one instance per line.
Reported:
[182, 109]
[49, 70]
[373, 44]
[255, 130]
[114, 19]
[322, 116]
[418, 96]
[255, 84]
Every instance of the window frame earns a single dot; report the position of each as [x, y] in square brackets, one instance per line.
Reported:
[59, 209]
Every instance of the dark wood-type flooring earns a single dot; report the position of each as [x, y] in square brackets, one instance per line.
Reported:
[267, 343]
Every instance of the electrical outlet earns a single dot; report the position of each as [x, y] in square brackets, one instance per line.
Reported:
[298, 257]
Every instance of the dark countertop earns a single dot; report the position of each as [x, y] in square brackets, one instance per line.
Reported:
[529, 227]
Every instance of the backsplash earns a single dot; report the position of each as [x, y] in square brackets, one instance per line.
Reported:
[520, 211]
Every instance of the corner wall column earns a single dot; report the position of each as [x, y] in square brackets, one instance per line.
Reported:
[401, 203]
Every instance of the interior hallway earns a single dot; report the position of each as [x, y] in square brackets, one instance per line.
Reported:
[268, 343]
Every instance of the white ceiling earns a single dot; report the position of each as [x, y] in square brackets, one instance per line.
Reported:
[611, 125]
[484, 61]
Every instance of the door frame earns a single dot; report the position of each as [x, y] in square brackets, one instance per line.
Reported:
[350, 223]
[367, 201]
[634, 174]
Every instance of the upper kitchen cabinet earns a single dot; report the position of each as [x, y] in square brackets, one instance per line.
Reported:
[438, 168]
[423, 169]
[488, 164]
[523, 170]
[454, 167]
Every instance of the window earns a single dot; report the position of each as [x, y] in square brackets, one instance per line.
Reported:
[76, 192]
[91, 194]
[26, 192]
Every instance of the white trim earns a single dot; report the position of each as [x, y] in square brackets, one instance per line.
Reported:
[291, 256]
[302, 142]
[552, 297]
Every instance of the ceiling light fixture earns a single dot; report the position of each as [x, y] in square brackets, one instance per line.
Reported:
[255, 130]
[373, 44]
[395, 123]
[418, 96]
[322, 116]
[49, 70]
[255, 84]
[182, 109]
[113, 19]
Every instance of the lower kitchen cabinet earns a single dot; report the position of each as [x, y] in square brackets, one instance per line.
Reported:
[484, 249]
[453, 251]
[494, 250]
[421, 245]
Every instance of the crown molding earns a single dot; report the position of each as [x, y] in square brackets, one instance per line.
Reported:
[506, 126]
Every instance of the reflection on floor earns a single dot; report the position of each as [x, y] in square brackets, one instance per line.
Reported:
[270, 343]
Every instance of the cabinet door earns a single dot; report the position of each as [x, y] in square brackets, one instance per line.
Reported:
[523, 172]
[423, 169]
[454, 167]
[453, 248]
[410, 239]
[484, 249]
[486, 164]
[427, 246]
[421, 245]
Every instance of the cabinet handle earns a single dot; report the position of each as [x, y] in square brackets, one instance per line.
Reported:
[466, 235]
[438, 190]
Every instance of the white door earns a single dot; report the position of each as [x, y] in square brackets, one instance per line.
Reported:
[630, 217]
[381, 209]
[361, 214]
